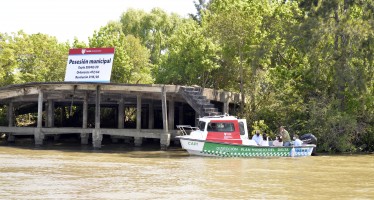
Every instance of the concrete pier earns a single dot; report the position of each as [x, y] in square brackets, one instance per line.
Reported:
[157, 110]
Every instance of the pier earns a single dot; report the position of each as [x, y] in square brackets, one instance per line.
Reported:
[159, 108]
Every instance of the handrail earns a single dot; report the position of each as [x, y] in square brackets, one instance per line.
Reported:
[183, 128]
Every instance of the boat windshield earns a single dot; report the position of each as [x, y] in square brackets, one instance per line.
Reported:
[221, 127]
[201, 125]
[242, 129]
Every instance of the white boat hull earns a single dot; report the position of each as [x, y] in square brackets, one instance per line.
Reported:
[206, 148]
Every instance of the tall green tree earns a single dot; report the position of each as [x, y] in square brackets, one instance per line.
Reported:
[236, 25]
[33, 58]
[153, 29]
[131, 59]
[8, 62]
[332, 70]
[191, 58]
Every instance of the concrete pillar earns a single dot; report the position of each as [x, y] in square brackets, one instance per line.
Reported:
[151, 116]
[171, 114]
[120, 119]
[226, 107]
[180, 122]
[165, 136]
[121, 114]
[97, 137]
[46, 114]
[50, 115]
[85, 136]
[138, 140]
[38, 135]
[226, 102]
[197, 116]
[138, 112]
[11, 137]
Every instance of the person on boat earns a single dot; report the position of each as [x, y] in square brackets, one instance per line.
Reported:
[285, 136]
[257, 138]
[265, 139]
[278, 141]
[212, 127]
[297, 142]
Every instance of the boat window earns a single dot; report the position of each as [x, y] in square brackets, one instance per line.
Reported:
[201, 125]
[242, 129]
[221, 127]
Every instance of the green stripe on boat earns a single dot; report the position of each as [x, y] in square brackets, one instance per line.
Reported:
[224, 150]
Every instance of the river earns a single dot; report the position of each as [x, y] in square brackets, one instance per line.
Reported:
[62, 171]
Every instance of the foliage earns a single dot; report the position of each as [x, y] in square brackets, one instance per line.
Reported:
[307, 65]
[22, 55]
[3, 116]
[191, 58]
[262, 127]
[131, 63]
[153, 29]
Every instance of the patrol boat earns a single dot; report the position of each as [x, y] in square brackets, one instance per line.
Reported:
[227, 136]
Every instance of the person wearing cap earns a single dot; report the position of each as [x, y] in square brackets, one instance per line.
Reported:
[257, 138]
[285, 136]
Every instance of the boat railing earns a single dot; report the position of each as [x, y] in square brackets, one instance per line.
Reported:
[189, 128]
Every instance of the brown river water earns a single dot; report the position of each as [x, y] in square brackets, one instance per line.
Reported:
[72, 171]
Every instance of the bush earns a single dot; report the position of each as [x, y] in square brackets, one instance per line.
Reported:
[334, 129]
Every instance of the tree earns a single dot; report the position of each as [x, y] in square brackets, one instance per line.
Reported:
[153, 29]
[131, 60]
[190, 59]
[331, 45]
[236, 25]
[8, 61]
[201, 6]
[33, 58]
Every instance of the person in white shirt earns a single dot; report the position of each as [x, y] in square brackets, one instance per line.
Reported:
[257, 138]
[297, 141]
[278, 141]
[265, 139]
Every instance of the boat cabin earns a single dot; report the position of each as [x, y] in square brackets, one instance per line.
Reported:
[223, 128]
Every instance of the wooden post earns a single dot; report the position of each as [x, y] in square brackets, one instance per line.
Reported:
[165, 136]
[11, 137]
[38, 135]
[138, 140]
[85, 136]
[96, 135]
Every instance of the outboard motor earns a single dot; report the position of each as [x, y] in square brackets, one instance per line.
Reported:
[309, 139]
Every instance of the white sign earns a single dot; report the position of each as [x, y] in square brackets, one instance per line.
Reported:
[89, 65]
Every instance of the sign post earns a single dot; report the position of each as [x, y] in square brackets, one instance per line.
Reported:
[89, 65]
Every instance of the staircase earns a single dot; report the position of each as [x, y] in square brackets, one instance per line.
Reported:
[195, 98]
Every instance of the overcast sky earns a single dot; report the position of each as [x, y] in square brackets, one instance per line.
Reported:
[67, 19]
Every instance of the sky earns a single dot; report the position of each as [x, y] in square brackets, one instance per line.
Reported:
[67, 19]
